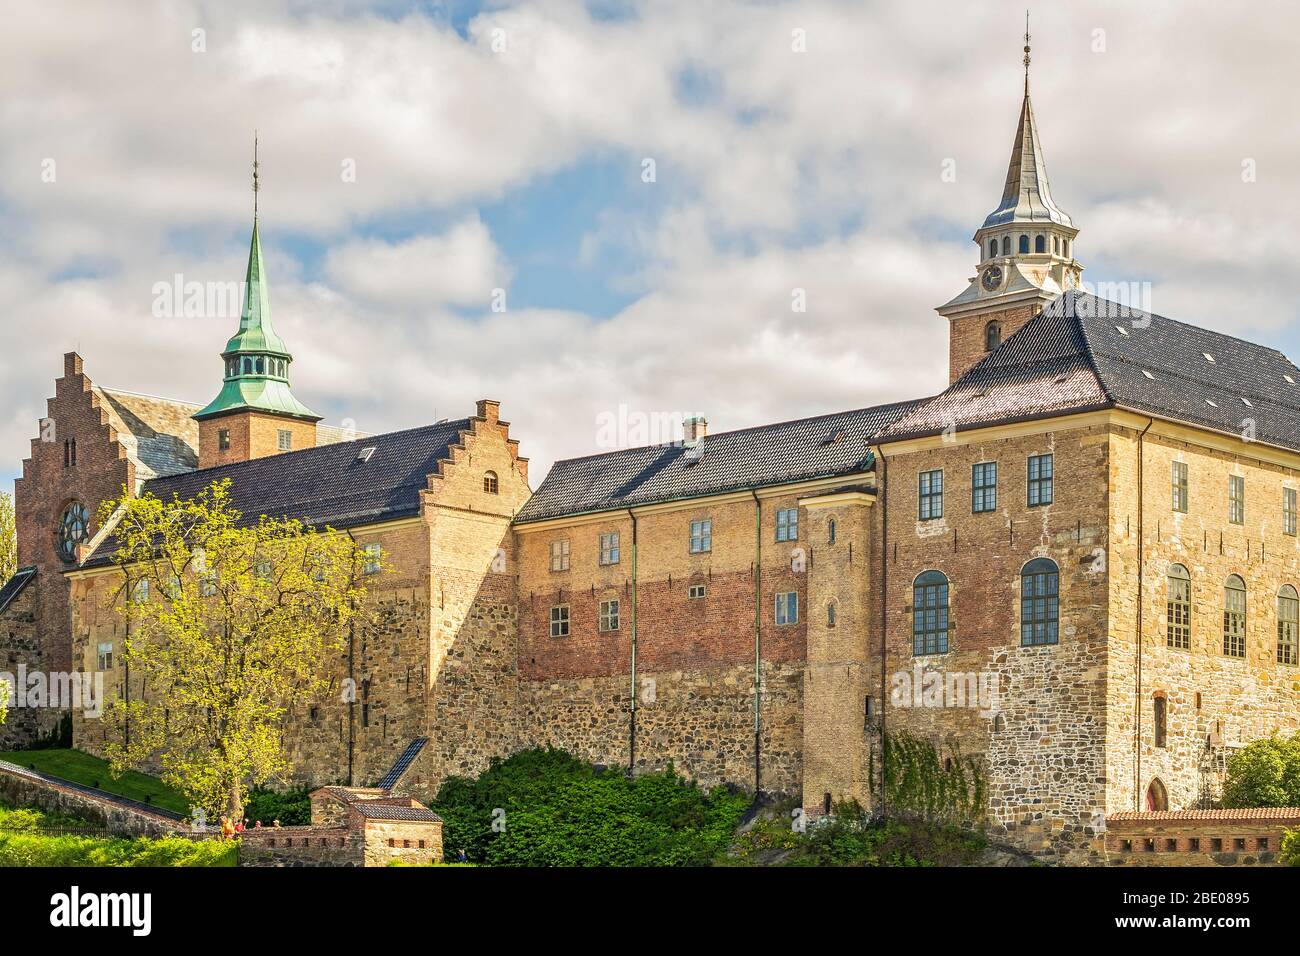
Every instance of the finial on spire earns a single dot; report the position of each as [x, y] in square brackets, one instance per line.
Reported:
[256, 185]
[1026, 52]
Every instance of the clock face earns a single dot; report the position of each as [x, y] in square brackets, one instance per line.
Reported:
[992, 278]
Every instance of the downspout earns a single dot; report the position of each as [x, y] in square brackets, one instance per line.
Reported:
[352, 697]
[1137, 709]
[882, 489]
[631, 743]
[758, 644]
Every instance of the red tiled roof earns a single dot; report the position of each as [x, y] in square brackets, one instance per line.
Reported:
[1246, 813]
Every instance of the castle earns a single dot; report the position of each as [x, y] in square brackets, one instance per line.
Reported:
[1078, 560]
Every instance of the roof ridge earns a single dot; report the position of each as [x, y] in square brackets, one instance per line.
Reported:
[741, 431]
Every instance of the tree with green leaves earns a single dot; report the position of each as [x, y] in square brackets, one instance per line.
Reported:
[228, 625]
[8, 538]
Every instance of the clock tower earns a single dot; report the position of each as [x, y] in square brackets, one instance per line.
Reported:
[1026, 254]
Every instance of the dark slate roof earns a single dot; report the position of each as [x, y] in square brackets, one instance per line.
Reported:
[806, 448]
[14, 586]
[403, 761]
[326, 485]
[1083, 353]
[381, 811]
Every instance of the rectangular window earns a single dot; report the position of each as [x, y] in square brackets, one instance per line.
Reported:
[1039, 603]
[560, 620]
[787, 608]
[984, 487]
[1236, 499]
[142, 591]
[787, 524]
[223, 439]
[1288, 511]
[609, 615]
[1160, 708]
[695, 592]
[104, 655]
[1040, 480]
[560, 555]
[374, 559]
[1179, 486]
[929, 490]
[609, 551]
[286, 439]
[702, 536]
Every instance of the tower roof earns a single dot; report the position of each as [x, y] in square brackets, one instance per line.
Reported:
[256, 333]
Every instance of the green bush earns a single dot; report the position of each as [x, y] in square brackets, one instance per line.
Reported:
[1290, 855]
[556, 810]
[292, 807]
[31, 849]
[920, 786]
[1265, 773]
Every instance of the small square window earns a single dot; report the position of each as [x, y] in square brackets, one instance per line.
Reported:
[787, 608]
[609, 550]
[223, 439]
[609, 615]
[285, 439]
[560, 555]
[787, 524]
[695, 592]
[702, 536]
[560, 620]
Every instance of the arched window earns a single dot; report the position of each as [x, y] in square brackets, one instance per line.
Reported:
[1288, 624]
[992, 336]
[1056, 245]
[930, 614]
[1040, 243]
[830, 531]
[830, 614]
[1178, 608]
[1006, 245]
[1157, 798]
[246, 366]
[490, 483]
[1065, 243]
[1024, 244]
[1039, 603]
[1234, 617]
[993, 248]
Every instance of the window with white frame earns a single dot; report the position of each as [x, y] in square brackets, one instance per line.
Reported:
[609, 615]
[104, 655]
[787, 524]
[701, 536]
[560, 555]
[609, 550]
[285, 438]
[560, 620]
[787, 608]
[695, 592]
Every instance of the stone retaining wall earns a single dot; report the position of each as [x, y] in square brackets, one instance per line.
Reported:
[27, 788]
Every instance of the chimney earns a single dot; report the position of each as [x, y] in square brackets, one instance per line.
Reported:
[695, 428]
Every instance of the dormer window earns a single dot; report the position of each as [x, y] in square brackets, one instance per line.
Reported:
[992, 336]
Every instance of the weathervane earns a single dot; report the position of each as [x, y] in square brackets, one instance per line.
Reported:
[1026, 51]
[255, 185]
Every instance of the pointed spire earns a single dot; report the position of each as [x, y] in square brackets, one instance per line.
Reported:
[257, 359]
[1027, 197]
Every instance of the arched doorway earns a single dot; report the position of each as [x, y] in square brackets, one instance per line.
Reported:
[1157, 798]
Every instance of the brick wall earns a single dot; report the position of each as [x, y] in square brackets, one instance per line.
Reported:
[966, 335]
[1198, 837]
[252, 435]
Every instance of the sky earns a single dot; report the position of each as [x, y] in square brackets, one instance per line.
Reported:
[604, 214]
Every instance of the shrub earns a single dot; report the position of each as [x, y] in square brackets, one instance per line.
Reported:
[292, 807]
[1290, 855]
[552, 809]
[921, 786]
[32, 849]
[1265, 773]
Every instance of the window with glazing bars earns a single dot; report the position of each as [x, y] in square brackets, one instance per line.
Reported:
[1179, 482]
[787, 524]
[930, 495]
[930, 614]
[1178, 608]
[984, 486]
[1039, 480]
[1288, 624]
[1288, 511]
[1236, 499]
[1039, 603]
[1234, 617]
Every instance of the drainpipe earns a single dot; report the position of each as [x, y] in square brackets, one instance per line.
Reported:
[882, 491]
[352, 703]
[1137, 715]
[631, 743]
[758, 644]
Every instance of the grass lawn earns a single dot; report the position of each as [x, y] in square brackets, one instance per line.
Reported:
[90, 771]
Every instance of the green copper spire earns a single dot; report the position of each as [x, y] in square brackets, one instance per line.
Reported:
[257, 360]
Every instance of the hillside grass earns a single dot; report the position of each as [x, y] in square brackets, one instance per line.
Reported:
[91, 771]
